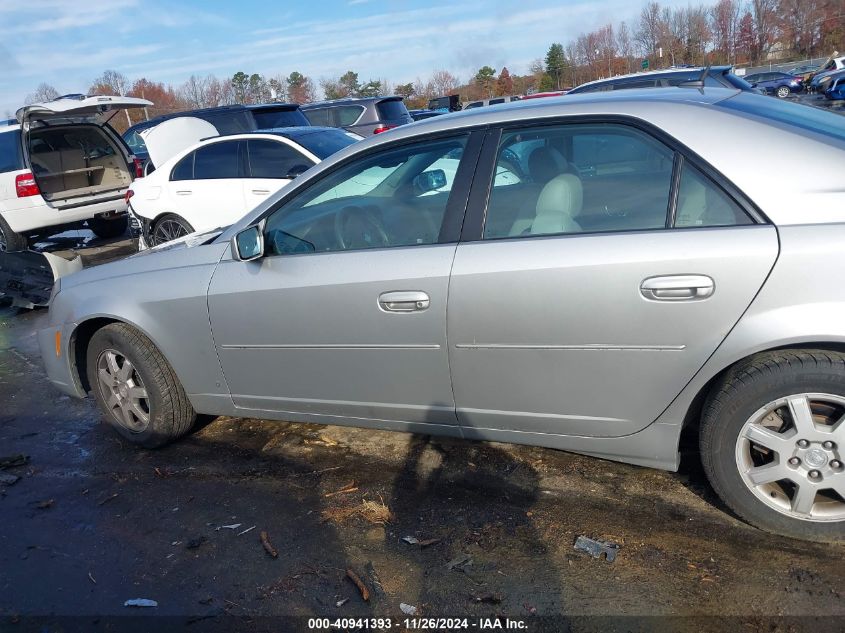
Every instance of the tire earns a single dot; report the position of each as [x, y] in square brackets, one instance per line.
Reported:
[169, 227]
[169, 414]
[106, 229]
[783, 92]
[9, 240]
[751, 436]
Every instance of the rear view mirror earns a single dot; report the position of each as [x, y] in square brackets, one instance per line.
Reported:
[249, 243]
[430, 180]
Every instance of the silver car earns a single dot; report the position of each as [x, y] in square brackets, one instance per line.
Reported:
[594, 273]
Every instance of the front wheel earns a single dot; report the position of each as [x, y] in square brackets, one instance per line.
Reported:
[136, 388]
[783, 92]
[773, 443]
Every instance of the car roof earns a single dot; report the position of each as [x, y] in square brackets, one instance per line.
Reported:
[350, 100]
[673, 70]
[235, 107]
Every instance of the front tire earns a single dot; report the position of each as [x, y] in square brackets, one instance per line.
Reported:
[109, 228]
[772, 443]
[136, 388]
[9, 240]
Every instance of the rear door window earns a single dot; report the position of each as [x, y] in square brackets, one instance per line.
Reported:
[218, 160]
[318, 116]
[10, 151]
[346, 115]
[273, 159]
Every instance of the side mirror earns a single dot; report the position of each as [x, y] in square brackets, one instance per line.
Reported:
[249, 243]
[430, 180]
[294, 171]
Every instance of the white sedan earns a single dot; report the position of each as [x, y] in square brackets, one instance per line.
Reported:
[214, 182]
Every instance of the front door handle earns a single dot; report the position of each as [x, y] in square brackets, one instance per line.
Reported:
[261, 192]
[184, 192]
[404, 301]
[677, 288]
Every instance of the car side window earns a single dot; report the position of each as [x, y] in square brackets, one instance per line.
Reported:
[702, 203]
[579, 179]
[394, 198]
[347, 115]
[217, 160]
[318, 116]
[10, 152]
[184, 169]
[274, 159]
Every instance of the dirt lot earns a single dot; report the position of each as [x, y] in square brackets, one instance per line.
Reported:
[93, 522]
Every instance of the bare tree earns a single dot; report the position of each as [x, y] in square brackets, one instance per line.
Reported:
[649, 29]
[443, 82]
[765, 26]
[44, 92]
[195, 91]
[724, 20]
[624, 45]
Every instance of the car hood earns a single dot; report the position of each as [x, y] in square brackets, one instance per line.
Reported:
[97, 109]
[170, 137]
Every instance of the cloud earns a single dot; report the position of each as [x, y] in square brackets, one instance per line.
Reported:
[354, 2]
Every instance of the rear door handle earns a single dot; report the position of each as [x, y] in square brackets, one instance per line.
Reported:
[184, 192]
[261, 192]
[677, 288]
[404, 301]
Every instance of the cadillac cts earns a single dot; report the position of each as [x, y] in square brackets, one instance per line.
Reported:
[589, 273]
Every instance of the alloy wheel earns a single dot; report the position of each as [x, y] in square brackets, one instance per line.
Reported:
[790, 455]
[167, 230]
[783, 92]
[123, 391]
[4, 245]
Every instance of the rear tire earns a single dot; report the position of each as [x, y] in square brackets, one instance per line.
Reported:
[9, 240]
[783, 92]
[772, 442]
[169, 227]
[144, 400]
[106, 229]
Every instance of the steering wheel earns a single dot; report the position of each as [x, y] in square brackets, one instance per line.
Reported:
[510, 161]
[366, 230]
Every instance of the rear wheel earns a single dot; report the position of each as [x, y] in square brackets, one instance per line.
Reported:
[783, 92]
[107, 228]
[9, 240]
[773, 443]
[136, 388]
[170, 227]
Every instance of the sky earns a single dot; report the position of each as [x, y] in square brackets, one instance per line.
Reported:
[69, 43]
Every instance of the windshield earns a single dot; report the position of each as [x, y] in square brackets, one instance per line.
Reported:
[324, 143]
[737, 82]
[795, 115]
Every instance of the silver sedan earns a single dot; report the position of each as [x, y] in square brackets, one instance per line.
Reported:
[591, 273]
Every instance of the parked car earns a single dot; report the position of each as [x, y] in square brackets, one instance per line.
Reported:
[821, 79]
[230, 119]
[805, 72]
[62, 165]
[836, 88]
[716, 77]
[658, 279]
[776, 83]
[213, 182]
[488, 102]
[447, 103]
[419, 115]
[365, 115]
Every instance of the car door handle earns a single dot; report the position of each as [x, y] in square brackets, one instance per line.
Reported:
[261, 192]
[677, 288]
[404, 301]
[184, 192]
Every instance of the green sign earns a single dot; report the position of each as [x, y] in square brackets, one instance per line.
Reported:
[645, 64]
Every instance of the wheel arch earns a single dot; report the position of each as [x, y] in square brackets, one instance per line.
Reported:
[692, 417]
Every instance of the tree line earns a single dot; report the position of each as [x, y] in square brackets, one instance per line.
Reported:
[727, 32]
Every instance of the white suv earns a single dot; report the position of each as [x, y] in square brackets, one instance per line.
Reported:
[61, 164]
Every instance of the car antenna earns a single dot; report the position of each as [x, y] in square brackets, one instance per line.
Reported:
[698, 83]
